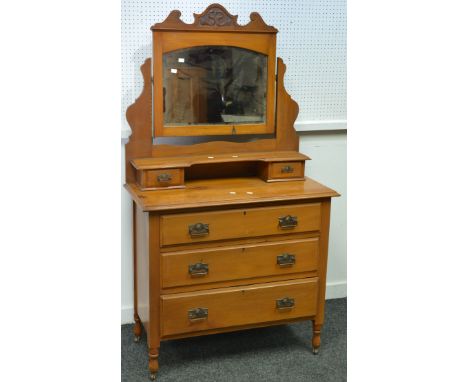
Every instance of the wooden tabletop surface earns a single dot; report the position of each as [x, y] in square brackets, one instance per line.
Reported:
[220, 192]
[188, 160]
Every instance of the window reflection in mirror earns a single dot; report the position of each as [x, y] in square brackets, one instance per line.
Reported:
[214, 85]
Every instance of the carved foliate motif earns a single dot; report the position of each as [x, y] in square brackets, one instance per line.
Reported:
[217, 16]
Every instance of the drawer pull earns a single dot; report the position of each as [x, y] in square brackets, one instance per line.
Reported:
[198, 269]
[198, 314]
[287, 169]
[286, 260]
[285, 303]
[199, 229]
[288, 221]
[164, 177]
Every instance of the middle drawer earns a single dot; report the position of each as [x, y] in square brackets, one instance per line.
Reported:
[239, 262]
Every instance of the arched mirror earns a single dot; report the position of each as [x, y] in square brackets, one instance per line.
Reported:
[212, 79]
[215, 85]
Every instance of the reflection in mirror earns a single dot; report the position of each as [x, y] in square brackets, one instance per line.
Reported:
[214, 85]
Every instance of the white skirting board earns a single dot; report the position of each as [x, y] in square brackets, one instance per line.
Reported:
[334, 290]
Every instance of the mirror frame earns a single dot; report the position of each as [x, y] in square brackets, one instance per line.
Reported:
[214, 27]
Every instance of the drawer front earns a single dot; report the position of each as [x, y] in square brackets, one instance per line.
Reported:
[239, 262]
[231, 224]
[220, 308]
[160, 178]
[282, 170]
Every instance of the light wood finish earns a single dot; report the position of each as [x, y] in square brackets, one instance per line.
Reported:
[269, 166]
[282, 171]
[238, 262]
[227, 192]
[173, 35]
[189, 160]
[324, 234]
[242, 241]
[214, 18]
[160, 179]
[142, 282]
[247, 222]
[137, 329]
[316, 329]
[287, 170]
[240, 191]
[238, 282]
[140, 143]
[237, 306]
[153, 332]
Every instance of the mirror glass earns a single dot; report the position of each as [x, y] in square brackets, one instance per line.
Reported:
[214, 85]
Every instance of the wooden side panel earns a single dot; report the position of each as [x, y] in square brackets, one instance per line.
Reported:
[323, 261]
[239, 262]
[238, 306]
[154, 283]
[286, 113]
[141, 265]
[140, 143]
[249, 222]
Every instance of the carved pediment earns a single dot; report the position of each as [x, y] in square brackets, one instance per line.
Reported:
[215, 17]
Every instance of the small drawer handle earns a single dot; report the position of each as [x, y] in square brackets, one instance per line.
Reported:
[164, 177]
[199, 229]
[288, 221]
[285, 303]
[286, 260]
[198, 314]
[198, 269]
[287, 169]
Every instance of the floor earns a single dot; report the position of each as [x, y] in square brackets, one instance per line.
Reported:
[280, 353]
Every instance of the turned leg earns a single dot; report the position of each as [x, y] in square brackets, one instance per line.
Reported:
[316, 337]
[153, 362]
[137, 328]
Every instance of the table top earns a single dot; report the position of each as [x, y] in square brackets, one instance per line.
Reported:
[189, 160]
[228, 191]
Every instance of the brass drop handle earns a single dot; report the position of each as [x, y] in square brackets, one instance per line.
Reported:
[287, 221]
[198, 314]
[285, 303]
[164, 177]
[199, 229]
[287, 169]
[286, 260]
[198, 269]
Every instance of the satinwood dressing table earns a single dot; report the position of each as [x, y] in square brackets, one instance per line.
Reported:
[228, 232]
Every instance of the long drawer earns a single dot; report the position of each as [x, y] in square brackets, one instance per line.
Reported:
[230, 224]
[237, 306]
[239, 262]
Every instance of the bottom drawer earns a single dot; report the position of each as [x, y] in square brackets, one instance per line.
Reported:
[237, 306]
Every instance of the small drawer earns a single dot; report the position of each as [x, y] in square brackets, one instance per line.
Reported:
[242, 223]
[155, 179]
[285, 170]
[239, 262]
[237, 306]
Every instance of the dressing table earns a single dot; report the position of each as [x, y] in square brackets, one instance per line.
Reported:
[228, 232]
